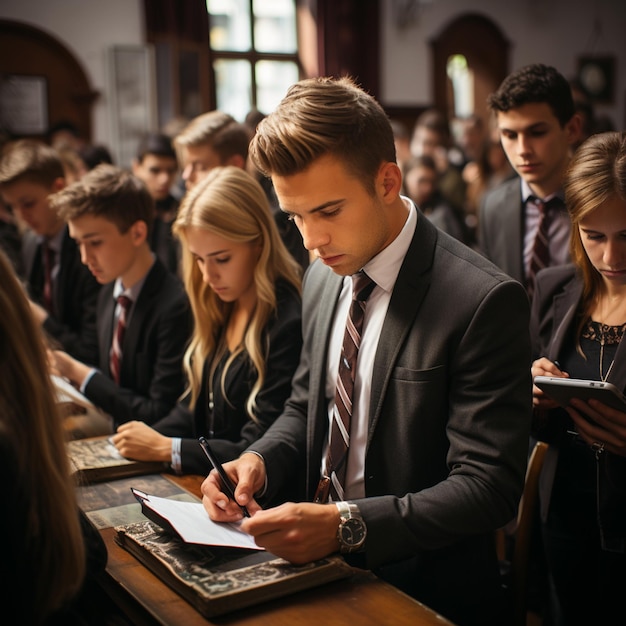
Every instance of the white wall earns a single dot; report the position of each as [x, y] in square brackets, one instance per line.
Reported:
[88, 28]
[554, 32]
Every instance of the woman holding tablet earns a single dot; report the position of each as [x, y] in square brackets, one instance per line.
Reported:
[577, 324]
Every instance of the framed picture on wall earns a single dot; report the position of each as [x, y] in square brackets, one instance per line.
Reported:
[23, 104]
[597, 76]
[132, 97]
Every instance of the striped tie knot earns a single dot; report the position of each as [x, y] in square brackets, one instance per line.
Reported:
[362, 286]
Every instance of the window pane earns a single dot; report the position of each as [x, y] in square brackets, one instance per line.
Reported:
[233, 85]
[273, 78]
[229, 24]
[274, 25]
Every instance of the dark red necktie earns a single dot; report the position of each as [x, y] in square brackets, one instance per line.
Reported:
[118, 338]
[541, 249]
[336, 458]
[48, 265]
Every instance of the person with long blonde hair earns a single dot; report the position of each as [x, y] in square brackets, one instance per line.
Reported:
[244, 290]
[43, 563]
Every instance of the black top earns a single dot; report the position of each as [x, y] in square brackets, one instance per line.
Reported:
[228, 425]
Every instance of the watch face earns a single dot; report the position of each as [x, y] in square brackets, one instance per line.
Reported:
[352, 532]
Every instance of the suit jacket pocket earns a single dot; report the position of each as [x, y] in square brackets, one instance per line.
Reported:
[411, 375]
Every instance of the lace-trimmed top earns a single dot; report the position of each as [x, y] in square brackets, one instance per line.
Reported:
[596, 331]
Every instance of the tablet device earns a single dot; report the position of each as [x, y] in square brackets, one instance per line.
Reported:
[562, 390]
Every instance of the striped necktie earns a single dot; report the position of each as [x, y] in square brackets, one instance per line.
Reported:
[48, 255]
[541, 248]
[337, 454]
[115, 356]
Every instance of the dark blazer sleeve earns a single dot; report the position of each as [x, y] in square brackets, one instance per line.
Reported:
[152, 377]
[74, 324]
[284, 341]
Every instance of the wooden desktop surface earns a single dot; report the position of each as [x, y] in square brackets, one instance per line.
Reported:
[361, 599]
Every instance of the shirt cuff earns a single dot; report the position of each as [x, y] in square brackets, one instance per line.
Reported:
[177, 462]
[89, 376]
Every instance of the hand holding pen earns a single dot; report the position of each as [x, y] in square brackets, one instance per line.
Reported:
[229, 487]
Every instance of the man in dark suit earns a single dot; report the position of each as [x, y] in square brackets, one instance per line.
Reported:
[144, 318]
[440, 411]
[538, 125]
[62, 292]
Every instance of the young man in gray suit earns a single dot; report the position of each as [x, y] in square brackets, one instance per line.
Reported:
[440, 411]
[538, 126]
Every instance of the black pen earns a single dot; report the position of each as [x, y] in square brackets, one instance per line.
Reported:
[228, 484]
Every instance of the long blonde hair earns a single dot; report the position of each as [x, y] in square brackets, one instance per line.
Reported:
[53, 553]
[232, 205]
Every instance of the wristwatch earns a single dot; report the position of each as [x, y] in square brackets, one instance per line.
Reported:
[352, 530]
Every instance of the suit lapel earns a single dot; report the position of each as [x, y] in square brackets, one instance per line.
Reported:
[329, 295]
[142, 308]
[565, 305]
[407, 297]
[514, 225]
[106, 311]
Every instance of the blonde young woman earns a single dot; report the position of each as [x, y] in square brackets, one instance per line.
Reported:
[43, 561]
[244, 289]
[578, 322]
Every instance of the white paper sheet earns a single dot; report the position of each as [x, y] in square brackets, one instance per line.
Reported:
[194, 525]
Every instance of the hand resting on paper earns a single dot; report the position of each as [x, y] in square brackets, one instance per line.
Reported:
[297, 532]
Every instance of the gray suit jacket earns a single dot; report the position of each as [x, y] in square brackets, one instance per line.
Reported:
[449, 417]
[501, 228]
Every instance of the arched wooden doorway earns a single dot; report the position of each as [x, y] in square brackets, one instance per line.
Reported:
[486, 49]
[26, 51]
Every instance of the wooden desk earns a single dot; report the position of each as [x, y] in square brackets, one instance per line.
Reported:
[361, 599]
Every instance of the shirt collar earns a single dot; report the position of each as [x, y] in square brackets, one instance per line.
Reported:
[383, 269]
[135, 290]
[527, 194]
[55, 243]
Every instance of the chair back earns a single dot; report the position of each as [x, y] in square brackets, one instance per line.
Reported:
[523, 533]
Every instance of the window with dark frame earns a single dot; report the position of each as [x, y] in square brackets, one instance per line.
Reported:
[253, 51]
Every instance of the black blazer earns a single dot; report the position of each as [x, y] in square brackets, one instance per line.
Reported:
[449, 421]
[75, 296]
[229, 427]
[553, 319]
[151, 377]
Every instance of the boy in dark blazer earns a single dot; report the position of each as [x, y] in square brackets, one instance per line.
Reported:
[140, 374]
[441, 400]
[538, 125]
[62, 292]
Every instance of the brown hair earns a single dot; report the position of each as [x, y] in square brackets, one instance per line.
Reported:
[51, 564]
[106, 191]
[27, 159]
[216, 129]
[320, 116]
